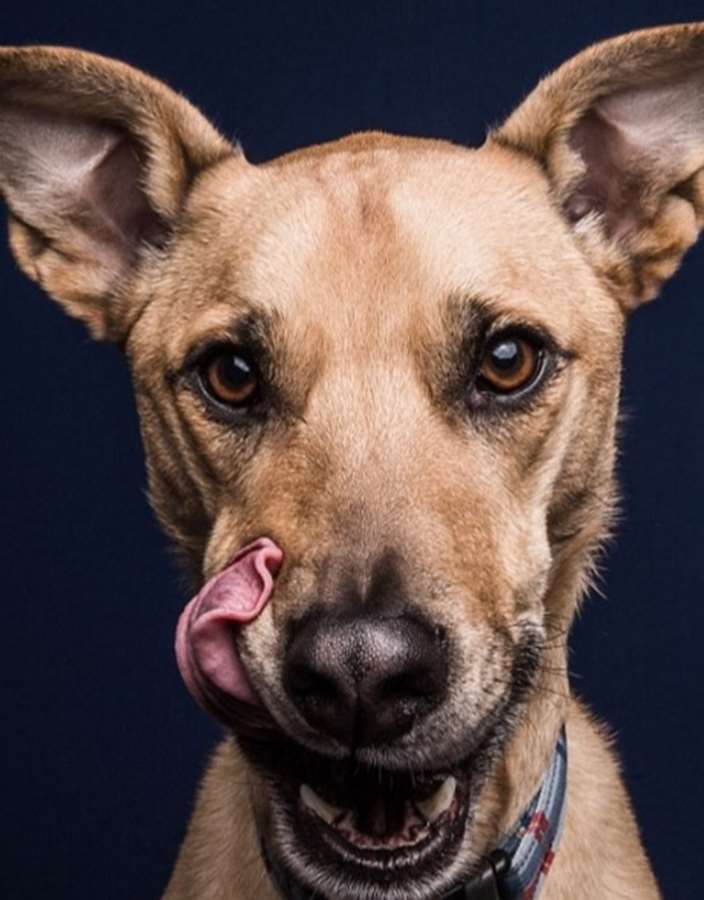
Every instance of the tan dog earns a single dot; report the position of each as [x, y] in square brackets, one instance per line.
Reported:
[399, 360]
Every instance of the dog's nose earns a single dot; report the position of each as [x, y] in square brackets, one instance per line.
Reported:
[365, 680]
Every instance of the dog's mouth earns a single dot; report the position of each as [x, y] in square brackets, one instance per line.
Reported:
[338, 819]
[380, 822]
[348, 829]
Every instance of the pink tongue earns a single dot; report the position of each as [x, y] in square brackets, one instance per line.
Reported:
[205, 637]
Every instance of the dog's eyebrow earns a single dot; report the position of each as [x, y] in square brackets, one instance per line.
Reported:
[475, 318]
[468, 317]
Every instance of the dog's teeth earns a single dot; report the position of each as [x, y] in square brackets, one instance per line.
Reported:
[327, 812]
[441, 800]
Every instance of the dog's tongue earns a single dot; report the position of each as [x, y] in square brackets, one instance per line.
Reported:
[205, 638]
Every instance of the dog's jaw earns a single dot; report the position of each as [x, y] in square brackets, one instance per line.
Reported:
[325, 847]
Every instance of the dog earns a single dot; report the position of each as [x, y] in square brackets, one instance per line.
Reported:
[378, 387]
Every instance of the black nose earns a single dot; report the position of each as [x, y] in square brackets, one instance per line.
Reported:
[365, 680]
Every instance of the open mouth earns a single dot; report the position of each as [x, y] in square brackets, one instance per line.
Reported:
[377, 826]
[347, 829]
[385, 822]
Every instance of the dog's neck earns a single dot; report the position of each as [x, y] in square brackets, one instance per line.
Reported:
[516, 868]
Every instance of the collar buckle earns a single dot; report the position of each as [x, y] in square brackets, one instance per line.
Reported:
[486, 884]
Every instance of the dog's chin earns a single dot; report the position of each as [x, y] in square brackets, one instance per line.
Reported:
[345, 829]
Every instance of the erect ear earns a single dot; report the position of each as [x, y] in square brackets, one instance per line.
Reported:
[96, 159]
[620, 131]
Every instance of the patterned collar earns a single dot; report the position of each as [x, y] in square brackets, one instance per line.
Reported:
[516, 870]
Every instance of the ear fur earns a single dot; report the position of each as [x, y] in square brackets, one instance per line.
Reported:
[619, 129]
[96, 159]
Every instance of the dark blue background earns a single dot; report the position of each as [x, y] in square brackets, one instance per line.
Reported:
[102, 745]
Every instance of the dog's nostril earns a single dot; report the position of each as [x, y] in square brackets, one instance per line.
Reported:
[417, 684]
[365, 680]
[307, 685]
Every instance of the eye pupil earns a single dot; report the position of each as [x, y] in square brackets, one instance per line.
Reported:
[506, 356]
[234, 371]
[230, 378]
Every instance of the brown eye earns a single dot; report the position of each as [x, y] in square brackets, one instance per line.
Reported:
[230, 378]
[509, 364]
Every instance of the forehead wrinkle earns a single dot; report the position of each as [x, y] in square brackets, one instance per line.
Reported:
[354, 280]
[312, 241]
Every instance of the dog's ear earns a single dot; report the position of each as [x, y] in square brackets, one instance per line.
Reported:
[619, 129]
[96, 159]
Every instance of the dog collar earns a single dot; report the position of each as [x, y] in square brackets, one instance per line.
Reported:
[516, 870]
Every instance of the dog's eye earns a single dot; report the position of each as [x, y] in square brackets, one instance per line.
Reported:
[510, 363]
[230, 378]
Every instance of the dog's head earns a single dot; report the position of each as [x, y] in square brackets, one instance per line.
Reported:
[397, 360]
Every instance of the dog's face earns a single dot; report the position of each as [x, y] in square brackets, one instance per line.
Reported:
[397, 359]
[368, 367]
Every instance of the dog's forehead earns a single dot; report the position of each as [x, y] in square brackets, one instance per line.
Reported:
[371, 235]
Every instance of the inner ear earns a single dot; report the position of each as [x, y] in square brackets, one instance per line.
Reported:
[64, 175]
[113, 196]
[613, 183]
[636, 145]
